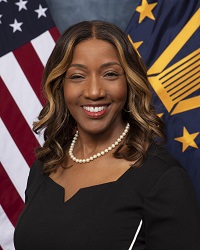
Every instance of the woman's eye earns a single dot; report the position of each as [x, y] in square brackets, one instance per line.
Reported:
[76, 77]
[112, 75]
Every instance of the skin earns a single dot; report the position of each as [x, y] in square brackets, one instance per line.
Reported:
[95, 79]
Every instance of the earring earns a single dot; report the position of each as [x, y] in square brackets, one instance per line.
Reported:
[127, 111]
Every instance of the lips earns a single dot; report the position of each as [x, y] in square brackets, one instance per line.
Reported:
[95, 111]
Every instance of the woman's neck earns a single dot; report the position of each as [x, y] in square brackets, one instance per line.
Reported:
[89, 143]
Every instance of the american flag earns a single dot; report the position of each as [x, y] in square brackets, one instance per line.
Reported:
[27, 37]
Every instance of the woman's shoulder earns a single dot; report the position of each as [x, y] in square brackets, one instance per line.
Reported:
[159, 164]
[36, 173]
[159, 159]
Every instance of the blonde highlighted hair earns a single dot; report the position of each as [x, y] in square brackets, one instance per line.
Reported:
[57, 123]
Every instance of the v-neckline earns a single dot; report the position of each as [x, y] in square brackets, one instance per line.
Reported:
[88, 187]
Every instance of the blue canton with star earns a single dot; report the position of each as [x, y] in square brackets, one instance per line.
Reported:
[15, 32]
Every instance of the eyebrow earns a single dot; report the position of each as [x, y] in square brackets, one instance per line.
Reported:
[104, 65]
[78, 65]
[109, 64]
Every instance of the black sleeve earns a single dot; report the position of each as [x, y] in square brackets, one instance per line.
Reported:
[171, 213]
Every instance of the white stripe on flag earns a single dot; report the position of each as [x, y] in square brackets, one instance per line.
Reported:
[20, 89]
[136, 234]
[43, 46]
[12, 161]
[6, 231]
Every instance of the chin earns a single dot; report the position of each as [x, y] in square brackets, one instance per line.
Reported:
[94, 127]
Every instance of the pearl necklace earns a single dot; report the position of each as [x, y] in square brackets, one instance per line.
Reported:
[95, 156]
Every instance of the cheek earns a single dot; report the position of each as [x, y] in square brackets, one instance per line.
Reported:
[66, 95]
[121, 92]
[69, 97]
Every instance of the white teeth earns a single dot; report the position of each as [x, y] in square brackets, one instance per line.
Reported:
[94, 109]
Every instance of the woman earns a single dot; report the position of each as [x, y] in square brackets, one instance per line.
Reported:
[102, 180]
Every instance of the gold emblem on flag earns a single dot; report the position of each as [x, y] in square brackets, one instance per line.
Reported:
[177, 82]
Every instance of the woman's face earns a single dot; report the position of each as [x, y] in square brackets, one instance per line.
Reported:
[95, 88]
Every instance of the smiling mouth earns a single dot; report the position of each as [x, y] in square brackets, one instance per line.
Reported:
[95, 109]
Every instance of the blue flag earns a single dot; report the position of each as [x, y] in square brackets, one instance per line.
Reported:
[166, 35]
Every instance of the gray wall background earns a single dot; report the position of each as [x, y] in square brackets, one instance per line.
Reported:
[68, 12]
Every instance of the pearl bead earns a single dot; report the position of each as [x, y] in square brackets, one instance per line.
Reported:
[95, 156]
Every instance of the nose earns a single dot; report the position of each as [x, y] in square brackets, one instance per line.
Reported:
[94, 89]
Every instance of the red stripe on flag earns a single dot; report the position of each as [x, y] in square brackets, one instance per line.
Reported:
[1, 248]
[17, 125]
[10, 200]
[32, 67]
[54, 33]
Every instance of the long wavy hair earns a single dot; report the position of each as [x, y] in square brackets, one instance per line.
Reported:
[57, 123]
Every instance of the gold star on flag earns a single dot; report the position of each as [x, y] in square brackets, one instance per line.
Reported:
[145, 10]
[160, 115]
[136, 45]
[187, 139]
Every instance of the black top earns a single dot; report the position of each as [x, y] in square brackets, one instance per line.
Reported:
[157, 200]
